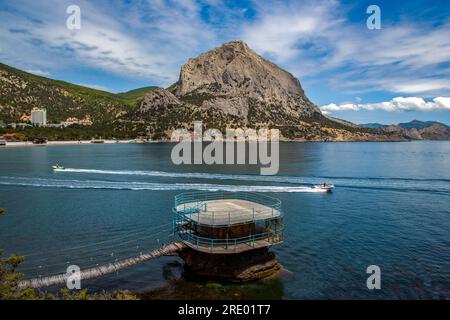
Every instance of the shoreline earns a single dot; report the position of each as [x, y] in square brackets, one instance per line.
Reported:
[133, 141]
[69, 143]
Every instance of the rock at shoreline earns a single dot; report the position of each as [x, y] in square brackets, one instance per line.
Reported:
[243, 267]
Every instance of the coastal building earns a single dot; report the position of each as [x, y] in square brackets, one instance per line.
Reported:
[70, 121]
[39, 117]
[9, 136]
[25, 118]
[229, 233]
[86, 121]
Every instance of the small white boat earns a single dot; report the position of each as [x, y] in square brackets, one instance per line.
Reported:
[57, 168]
[324, 187]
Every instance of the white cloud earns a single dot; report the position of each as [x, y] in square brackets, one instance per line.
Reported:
[421, 85]
[147, 40]
[316, 40]
[151, 39]
[280, 29]
[395, 105]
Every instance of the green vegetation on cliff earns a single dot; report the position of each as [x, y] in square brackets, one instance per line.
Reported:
[21, 91]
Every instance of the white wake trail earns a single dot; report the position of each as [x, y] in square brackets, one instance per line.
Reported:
[355, 182]
[140, 186]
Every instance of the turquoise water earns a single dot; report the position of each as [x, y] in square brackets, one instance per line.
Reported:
[391, 208]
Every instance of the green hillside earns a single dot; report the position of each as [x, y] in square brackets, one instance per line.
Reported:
[135, 95]
[21, 91]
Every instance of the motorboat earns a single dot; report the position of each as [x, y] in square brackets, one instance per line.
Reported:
[57, 167]
[324, 187]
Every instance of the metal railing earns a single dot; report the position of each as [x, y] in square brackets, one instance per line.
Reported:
[232, 245]
[194, 205]
[193, 221]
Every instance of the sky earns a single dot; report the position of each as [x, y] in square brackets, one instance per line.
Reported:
[394, 74]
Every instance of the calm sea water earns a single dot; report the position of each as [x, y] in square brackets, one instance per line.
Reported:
[391, 208]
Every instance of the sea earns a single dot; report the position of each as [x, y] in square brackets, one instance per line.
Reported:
[390, 209]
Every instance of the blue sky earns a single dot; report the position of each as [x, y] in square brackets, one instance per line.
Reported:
[396, 74]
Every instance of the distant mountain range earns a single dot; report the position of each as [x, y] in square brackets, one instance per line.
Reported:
[417, 130]
[414, 124]
[229, 86]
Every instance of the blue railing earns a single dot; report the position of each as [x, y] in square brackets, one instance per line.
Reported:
[189, 197]
[189, 206]
[272, 238]
[191, 211]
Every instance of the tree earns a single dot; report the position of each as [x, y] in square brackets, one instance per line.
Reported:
[9, 279]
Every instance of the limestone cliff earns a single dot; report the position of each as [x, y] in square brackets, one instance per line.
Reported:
[232, 86]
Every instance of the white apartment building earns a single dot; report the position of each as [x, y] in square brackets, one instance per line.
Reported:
[39, 117]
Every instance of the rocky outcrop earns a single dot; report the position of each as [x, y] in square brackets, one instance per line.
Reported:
[247, 266]
[411, 134]
[229, 86]
[158, 98]
[233, 77]
[435, 132]
[232, 86]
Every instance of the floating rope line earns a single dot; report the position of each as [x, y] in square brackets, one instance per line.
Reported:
[98, 271]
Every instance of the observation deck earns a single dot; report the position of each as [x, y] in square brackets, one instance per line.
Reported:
[228, 222]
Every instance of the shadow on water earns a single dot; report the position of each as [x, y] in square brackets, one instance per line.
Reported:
[182, 286]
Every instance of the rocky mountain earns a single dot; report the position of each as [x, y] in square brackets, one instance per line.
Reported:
[416, 130]
[232, 86]
[435, 132]
[373, 125]
[229, 86]
[234, 79]
[419, 125]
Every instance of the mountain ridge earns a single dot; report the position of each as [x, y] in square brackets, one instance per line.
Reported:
[416, 129]
[229, 86]
[232, 86]
[417, 124]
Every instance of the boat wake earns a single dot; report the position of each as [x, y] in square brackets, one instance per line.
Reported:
[127, 185]
[388, 183]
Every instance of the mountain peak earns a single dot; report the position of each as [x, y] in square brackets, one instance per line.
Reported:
[239, 44]
[234, 76]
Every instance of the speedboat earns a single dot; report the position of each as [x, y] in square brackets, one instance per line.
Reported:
[324, 187]
[57, 167]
